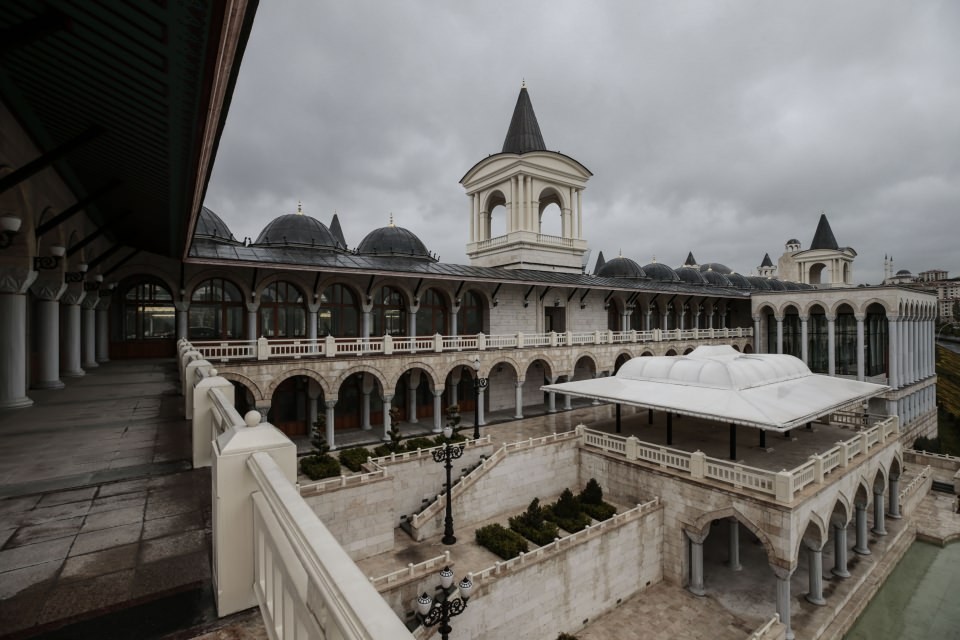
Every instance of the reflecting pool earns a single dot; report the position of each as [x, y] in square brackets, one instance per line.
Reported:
[918, 601]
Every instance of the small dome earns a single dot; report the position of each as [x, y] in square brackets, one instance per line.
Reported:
[760, 284]
[716, 278]
[739, 281]
[793, 241]
[299, 230]
[621, 267]
[776, 285]
[209, 225]
[691, 275]
[393, 241]
[904, 272]
[660, 271]
[716, 266]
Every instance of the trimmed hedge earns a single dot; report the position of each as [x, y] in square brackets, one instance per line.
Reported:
[603, 511]
[354, 458]
[532, 525]
[503, 542]
[319, 467]
[591, 502]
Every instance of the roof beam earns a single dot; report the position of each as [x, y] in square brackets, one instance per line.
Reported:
[96, 234]
[572, 293]
[103, 256]
[45, 160]
[542, 295]
[80, 205]
[49, 21]
[122, 262]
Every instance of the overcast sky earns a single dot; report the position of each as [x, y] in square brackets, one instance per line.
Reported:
[714, 127]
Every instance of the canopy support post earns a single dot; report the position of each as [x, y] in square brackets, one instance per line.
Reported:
[618, 417]
[733, 441]
[669, 429]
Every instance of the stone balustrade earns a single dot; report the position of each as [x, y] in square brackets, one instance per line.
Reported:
[769, 630]
[331, 347]
[412, 572]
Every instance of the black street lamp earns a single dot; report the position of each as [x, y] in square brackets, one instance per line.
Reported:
[448, 454]
[431, 612]
[478, 384]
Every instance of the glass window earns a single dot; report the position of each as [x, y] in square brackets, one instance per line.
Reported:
[432, 314]
[148, 312]
[339, 313]
[216, 311]
[471, 314]
[282, 312]
[389, 313]
[817, 353]
[845, 340]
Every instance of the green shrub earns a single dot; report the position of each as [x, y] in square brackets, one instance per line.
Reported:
[930, 445]
[319, 467]
[566, 513]
[501, 541]
[600, 511]
[566, 636]
[567, 506]
[382, 451]
[592, 493]
[456, 437]
[354, 458]
[591, 502]
[418, 443]
[532, 525]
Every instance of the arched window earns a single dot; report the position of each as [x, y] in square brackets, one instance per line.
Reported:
[339, 314]
[845, 342]
[389, 313]
[817, 350]
[432, 314]
[282, 314]
[471, 314]
[148, 312]
[875, 340]
[216, 311]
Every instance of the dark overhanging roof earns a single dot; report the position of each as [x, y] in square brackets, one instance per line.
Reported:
[140, 76]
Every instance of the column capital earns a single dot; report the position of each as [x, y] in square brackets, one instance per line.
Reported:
[252, 307]
[330, 404]
[183, 305]
[49, 289]
[860, 317]
[74, 294]
[696, 537]
[90, 300]
[313, 307]
[782, 573]
[16, 279]
[103, 303]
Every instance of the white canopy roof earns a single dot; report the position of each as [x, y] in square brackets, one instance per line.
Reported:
[766, 391]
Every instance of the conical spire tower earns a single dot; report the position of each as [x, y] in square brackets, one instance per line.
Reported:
[524, 135]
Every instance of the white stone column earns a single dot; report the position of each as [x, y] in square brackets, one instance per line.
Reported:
[183, 318]
[48, 334]
[313, 393]
[878, 524]
[519, 399]
[904, 357]
[758, 339]
[331, 416]
[734, 545]
[88, 344]
[861, 368]
[479, 409]
[437, 409]
[473, 217]
[567, 402]
[13, 337]
[252, 308]
[895, 497]
[831, 345]
[103, 331]
[552, 402]
[779, 320]
[696, 564]
[893, 348]
[783, 599]
[804, 340]
[365, 411]
[387, 402]
[861, 547]
[412, 406]
[815, 574]
[580, 214]
[70, 304]
[312, 321]
[840, 551]
[522, 203]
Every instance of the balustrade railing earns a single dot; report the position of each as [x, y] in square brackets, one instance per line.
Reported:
[331, 347]
[411, 571]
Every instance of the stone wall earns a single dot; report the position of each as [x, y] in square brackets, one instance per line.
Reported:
[361, 518]
[541, 598]
[922, 426]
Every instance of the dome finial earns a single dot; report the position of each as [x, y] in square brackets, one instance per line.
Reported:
[621, 252]
[391, 219]
[523, 83]
[299, 208]
[654, 258]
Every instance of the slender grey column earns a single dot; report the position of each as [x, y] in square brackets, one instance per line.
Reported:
[252, 308]
[893, 375]
[779, 335]
[552, 402]
[88, 343]
[183, 318]
[48, 335]
[783, 603]
[13, 340]
[878, 524]
[912, 348]
[860, 363]
[412, 406]
[312, 324]
[895, 498]
[71, 341]
[519, 399]
[696, 567]
[567, 402]
[387, 401]
[103, 336]
[735, 545]
[861, 547]
[330, 404]
[904, 355]
[840, 551]
[831, 345]
[365, 412]
[437, 409]
[804, 341]
[815, 573]
[480, 420]
[758, 345]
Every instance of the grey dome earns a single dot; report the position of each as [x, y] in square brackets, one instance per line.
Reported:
[739, 281]
[793, 241]
[691, 275]
[904, 272]
[790, 286]
[776, 285]
[660, 271]
[716, 278]
[393, 241]
[298, 229]
[716, 266]
[760, 284]
[209, 225]
[621, 267]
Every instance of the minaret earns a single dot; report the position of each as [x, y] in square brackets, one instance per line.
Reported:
[518, 184]
[766, 268]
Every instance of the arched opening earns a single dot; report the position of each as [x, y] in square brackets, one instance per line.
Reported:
[747, 348]
[496, 223]
[875, 341]
[359, 403]
[671, 352]
[432, 314]
[688, 350]
[538, 373]
[551, 218]
[243, 400]
[471, 314]
[460, 392]
[282, 313]
[621, 359]
[290, 406]
[389, 312]
[819, 273]
[817, 340]
[216, 311]
[147, 321]
[413, 396]
[845, 341]
[339, 313]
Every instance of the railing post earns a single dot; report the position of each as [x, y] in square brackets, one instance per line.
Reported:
[553, 338]
[203, 416]
[437, 343]
[609, 336]
[263, 348]
[698, 464]
[519, 340]
[569, 338]
[784, 487]
[388, 345]
[630, 448]
[633, 335]
[657, 335]
[843, 454]
[817, 468]
[329, 346]
[864, 445]
[596, 337]
[481, 341]
[189, 382]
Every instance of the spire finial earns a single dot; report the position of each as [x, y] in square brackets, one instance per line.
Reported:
[299, 208]
[391, 219]
[621, 252]
[654, 258]
[523, 83]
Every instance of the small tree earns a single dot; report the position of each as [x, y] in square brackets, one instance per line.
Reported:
[592, 494]
[453, 417]
[394, 429]
[566, 506]
[318, 438]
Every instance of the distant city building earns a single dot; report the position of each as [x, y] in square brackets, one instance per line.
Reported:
[932, 280]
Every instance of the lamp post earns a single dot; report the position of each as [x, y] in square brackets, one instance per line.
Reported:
[478, 384]
[447, 455]
[431, 612]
